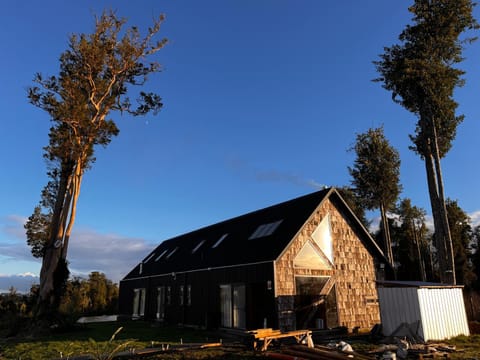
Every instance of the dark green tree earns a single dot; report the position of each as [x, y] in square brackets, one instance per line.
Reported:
[93, 296]
[476, 255]
[97, 71]
[462, 238]
[97, 290]
[37, 227]
[376, 178]
[421, 75]
[348, 194]
[410, 235]
[38, 224]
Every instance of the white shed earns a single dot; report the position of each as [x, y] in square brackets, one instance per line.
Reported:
[430, 311]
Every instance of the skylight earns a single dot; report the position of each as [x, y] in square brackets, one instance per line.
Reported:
[171, 253]
[160, 256]
[219, 241]
[149, 258]
[198, 246]
[265, 230]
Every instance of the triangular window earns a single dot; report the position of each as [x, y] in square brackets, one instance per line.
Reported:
[323, 237]
[310, 258]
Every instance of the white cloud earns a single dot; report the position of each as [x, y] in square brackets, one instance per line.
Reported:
[89, 250]
[246, 169]
[475, 218]
[111, 254]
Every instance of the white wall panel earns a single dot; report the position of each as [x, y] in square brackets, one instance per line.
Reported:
[398, 306]
[437, 313]
[443, 313]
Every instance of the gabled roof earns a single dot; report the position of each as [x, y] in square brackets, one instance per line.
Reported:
[259, 236]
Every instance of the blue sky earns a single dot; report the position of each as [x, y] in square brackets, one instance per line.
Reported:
[262, 100]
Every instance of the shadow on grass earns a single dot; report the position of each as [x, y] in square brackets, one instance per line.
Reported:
[139, 334]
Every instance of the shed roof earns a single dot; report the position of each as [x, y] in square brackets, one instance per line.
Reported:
[256, 237]
[417, 284]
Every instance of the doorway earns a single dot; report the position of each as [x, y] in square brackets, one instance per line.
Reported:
[232, 306]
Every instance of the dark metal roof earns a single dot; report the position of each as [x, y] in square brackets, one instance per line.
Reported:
[195, 250]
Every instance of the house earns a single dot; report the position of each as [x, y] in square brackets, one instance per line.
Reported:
[426, 310]
[303, 263]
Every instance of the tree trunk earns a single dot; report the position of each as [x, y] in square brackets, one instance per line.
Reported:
[419, 253]
[440, 220]
[387, 243]
[450, 277]
[52, 253]
[77, 181]
[53, 263]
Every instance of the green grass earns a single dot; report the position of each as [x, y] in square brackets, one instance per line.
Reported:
[468, 347]
[140, 335]
[84, 339]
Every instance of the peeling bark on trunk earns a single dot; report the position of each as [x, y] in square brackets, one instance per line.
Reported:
[52, 254]
[54, 264]
[73, 212]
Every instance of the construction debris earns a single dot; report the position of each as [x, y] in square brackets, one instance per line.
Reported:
[403, 350]
[262, 338]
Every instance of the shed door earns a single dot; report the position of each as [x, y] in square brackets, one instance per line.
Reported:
[232, 306]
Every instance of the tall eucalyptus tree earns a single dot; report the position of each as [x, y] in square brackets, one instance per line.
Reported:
[97, 71]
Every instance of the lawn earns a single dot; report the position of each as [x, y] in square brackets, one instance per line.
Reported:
[93, 339]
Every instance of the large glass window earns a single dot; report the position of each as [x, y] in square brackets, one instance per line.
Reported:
[189, 295]
[323, 238]
[139, 302]
[226, 305]
[232, 306]
[169, 295]
[161, 297]
[181, 295]
[306, 285]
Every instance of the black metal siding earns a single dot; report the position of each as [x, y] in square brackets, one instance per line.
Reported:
[204, 310]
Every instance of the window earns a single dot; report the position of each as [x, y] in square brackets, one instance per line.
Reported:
[323, 238]
[160, 256]
[309, 257]
[140, 269]
[232, 306]
[171, 253]
[149, 258]
[219, 241]
[310, 285]
[161, 303]
[181, 294]
[189, 295]
[169, 295]
[265, 230]
[138, 302]
[198, 246]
